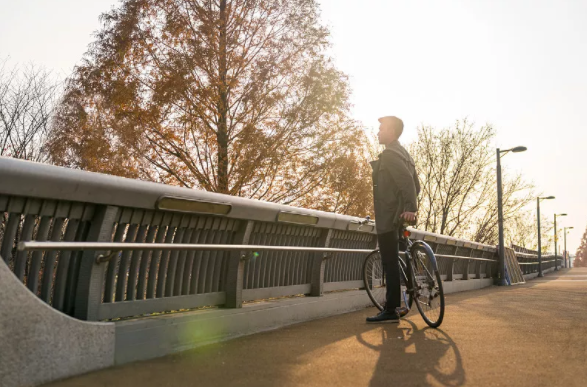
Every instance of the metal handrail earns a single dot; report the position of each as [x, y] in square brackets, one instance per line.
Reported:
[123, 246]
[535, 263]
[527, 255]
[461, 257]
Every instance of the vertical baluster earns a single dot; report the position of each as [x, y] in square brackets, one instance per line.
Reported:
[26, 235]
[189, 267]
[156, 256]
[36, 261]
[9, 236]
[138, 256]
[146, 257]
[63, 267]
[261, 237]
[197, 268]
[50, 260]
[203, 281]
[111, 271]
[216, 274]
[172, 267]
[161, 277]
[181, 262]
[74, 266]
[122, 278]
[227, 238]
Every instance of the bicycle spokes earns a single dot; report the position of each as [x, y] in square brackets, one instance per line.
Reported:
[428, 292]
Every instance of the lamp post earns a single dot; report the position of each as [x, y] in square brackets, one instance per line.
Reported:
[555, 241]
[501, 247]
[566, 252]
[538, 199]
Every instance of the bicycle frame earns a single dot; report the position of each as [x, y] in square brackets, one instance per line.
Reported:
[419, 278]
[409, 260]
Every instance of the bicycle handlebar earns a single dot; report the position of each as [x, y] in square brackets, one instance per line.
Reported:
[405, 223]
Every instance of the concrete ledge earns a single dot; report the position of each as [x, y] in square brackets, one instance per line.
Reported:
[159, 336]
[530, 276]
[152, 337]
[465, 285]
[40, 344]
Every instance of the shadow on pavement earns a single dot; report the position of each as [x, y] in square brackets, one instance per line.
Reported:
[409, 355]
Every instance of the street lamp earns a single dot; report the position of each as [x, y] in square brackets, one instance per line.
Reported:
[555, 246]
[538, 199]
[501, 247]
[566, 253]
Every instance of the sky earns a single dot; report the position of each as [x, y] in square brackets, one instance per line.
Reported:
[519, 65]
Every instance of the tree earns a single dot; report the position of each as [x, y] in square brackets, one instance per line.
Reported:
[236, 97]
[27, 99]
[521, 230]
[581, 256]
[456, 167]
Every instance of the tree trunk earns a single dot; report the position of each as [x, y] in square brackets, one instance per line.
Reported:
[222, 105]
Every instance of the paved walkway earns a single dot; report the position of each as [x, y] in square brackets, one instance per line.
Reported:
[528, 335]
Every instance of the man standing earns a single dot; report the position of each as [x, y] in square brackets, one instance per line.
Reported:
[395, 191]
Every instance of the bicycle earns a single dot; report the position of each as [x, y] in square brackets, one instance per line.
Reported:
[418, 266]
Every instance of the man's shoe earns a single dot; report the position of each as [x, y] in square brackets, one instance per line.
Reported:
[386, 316]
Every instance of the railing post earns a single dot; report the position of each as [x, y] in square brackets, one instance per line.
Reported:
[489, 267]
[318, 263]
[90, 283]
[450, 270]
[466, 271]
[466, 275]
[478, 268]
[236, 267]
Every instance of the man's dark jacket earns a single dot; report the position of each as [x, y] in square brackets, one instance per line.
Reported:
[395, 186]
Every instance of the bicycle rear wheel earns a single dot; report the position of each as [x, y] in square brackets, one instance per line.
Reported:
[375, 281]
[429, 295]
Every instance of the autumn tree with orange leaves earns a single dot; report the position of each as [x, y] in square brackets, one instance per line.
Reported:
[236, 97]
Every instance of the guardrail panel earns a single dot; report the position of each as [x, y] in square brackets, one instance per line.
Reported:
[341, 267]
[49, 275]
[271, 269]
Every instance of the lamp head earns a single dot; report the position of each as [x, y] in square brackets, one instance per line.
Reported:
[547, 197]
[519, 149]
[561, 214]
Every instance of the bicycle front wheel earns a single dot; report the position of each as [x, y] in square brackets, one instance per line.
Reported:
[429, 295]
[375, 281]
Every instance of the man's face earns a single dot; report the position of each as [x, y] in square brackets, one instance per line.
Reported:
[386, 133]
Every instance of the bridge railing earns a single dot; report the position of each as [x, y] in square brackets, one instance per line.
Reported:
[529, 262]
[47, 203]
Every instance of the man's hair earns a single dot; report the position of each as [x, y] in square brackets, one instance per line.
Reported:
[397, 123]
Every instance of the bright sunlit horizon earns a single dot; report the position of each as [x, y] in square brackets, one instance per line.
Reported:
[518, 65]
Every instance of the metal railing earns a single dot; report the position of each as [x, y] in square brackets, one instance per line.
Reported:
[529, 262]
[175, 248]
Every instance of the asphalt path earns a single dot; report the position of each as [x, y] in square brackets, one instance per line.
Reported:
[533, 334]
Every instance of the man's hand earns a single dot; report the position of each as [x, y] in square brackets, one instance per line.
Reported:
[409, 216]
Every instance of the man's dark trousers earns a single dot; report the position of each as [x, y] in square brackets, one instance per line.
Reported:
[389, 249]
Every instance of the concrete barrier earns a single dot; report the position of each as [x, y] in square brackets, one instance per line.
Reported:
[40, 344]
